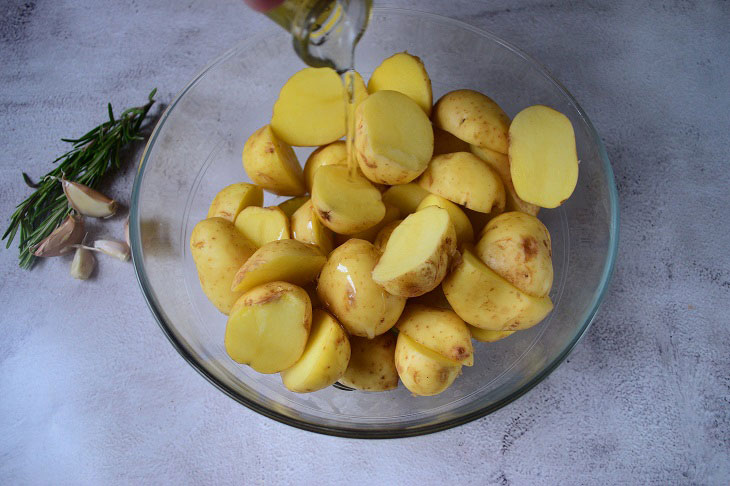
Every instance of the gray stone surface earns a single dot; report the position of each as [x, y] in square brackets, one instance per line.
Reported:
[92, 393]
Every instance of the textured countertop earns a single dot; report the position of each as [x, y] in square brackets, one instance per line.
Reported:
[91, 392]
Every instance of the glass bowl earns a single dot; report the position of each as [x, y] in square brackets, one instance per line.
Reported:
[195, 150]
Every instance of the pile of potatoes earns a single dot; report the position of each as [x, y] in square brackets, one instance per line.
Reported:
[386, 271]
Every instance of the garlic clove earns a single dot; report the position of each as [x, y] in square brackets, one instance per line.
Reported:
[88, 201]
[60, 241]
[83, 263]
[114, 248]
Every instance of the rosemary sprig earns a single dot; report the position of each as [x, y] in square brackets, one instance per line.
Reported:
[93, 155]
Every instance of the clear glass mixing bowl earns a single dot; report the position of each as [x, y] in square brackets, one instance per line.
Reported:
[195, 150]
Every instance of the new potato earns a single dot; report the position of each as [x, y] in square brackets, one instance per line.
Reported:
[272, 164]
[406, 197]
[462, 225]
[439, 330]
[292, 204]
[487, 336]
[500, 164]
[422, 371]
[381, 240]
[307, 228]
[406, 74]
[232, 199]
[262, 225]
[372, 364]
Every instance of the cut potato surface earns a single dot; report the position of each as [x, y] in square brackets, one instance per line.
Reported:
[285, 260]
[462, 225]
[232, 199]
[392, 213]
[394, 138]
[332, 154]
[543, 156]
[262, 225]
[418, 252]
[422, 371]
[463, 178]
[473, 118]
[384, 234]
[268, 327]
[405, 197]
[272, 164]
[372, 364]
[439, 330]
[345, 203]
[310, 110]
[324, 359]
[487, 336]
[291, 205]
[500, 164]
[307, 228]
[446, 143]
[485, 300]
[406, 74]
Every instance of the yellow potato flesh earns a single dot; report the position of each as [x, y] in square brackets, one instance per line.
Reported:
[517, 247]
[310, 110]
[262, 225]
[291, 205]
[324, 359]
[422, 371]
[272, 164]
[345, 203]
[487, 336]
[392, 213]
[446, 143]
[285, 260]
[439, 330]
[268, 327]
[543, 156]
[417, 255]
[463, 178]
[473, 118]
[347, 289]
[307, 228]
[485, 300]
[462, 225]
[394, 138]
[500, 164]
[405, 197]
[332, 154]
[232, 199]
[381, 240]
[406, 74]
[372, 364]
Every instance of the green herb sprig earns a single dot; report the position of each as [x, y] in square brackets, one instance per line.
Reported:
[93, 155]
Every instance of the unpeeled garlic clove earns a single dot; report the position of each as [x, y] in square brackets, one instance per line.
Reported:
[83, 263]
[60, 241]
[114, 248]
[88, 201]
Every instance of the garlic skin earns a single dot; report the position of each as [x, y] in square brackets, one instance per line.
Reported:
[83, 263]
[87, 201]
[62, 239]
[113, 248]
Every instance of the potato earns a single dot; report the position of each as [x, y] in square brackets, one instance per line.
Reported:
[384, 234]
[486, 336]
[543, 157]
[347, 289]
[345, 203]
[332, 154]
[474, 118]
[232, 199]
[405, 197]
[406, 74]
[218, 251]
[462, 225]
[269, 326]
[285, 260]
[307, 228]
[418, 252]
[310, 110]
[291, 205]
[422, 371]
[393, 138]
[261, 225]
[439, 330]
[517, 247]
[324, 359]
[372, 364]
[446, 143]
[485, 300]
[272, 164]
[463, 178]
[392, 213]
[500, 164]
[435, 298]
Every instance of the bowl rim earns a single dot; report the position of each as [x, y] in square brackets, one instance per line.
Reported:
[393, 432]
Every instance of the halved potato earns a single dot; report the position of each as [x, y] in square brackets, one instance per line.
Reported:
[422, 371]
[393, 138]
[384, 234]
[474, 118]
[462, 225]
[500, 164]
[392, 213]
[272, 164]
[324, 359]
[332, 154]
[418, 252]
[487, 336]
[439, 330]
[446, 143]
[406, 74]
[284, 260]
[405, 197]
[463, 178]
[291, 205]
[261, 225]
[345, 203]
[307, 228]
[232, 199]
[543, 157]
[372, 364]
[268, 327]
[485, 300]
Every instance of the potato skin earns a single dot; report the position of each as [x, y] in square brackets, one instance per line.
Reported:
[372, 364]
[232, 199]
[500, 164]
[405, 197]
[307, 228]
[439, 330]
[381, 240]
[487, 336]
[272, 164]
[421, 370]
[219, 250]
